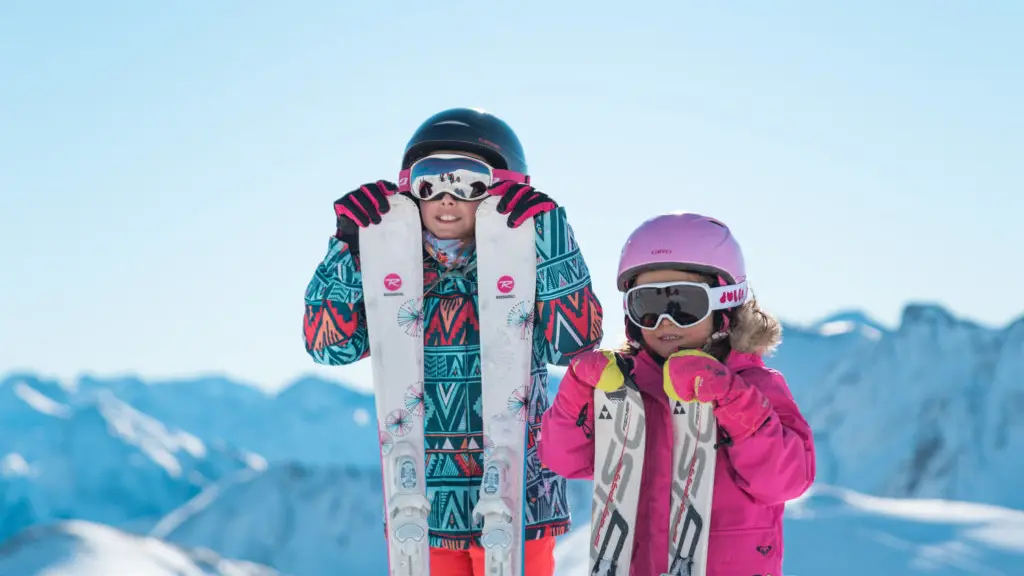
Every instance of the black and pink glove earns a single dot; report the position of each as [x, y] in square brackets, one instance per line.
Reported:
[694, 376]
[365, 205]
[361, 208]
[520, 201]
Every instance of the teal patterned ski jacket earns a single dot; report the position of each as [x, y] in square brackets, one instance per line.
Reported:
[567, 322]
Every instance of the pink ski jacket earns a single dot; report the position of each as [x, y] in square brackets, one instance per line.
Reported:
[753, 478]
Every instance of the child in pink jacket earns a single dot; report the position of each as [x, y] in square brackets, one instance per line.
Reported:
[689, 340]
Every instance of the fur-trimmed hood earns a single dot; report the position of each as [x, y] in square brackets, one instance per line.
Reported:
[754, 330]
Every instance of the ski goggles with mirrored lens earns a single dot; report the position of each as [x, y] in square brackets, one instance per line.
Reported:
[682, 303]
[463, 177]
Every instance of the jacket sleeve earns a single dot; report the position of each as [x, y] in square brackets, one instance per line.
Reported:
[566, 443]
[334, 320]
[777, 463]
[567, 310]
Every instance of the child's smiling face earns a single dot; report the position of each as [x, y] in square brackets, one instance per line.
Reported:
[447, 218]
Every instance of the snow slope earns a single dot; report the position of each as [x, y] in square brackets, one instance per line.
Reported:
[839, 532]
[317, 524]
[76, 548]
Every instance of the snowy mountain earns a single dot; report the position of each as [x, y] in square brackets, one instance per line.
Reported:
[932, 408]
[278, 427]
[92, 456]
[77, 548]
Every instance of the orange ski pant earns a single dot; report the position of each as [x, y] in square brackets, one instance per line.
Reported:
[539, 557]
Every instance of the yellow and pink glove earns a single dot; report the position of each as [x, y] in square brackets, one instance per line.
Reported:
[695, 376]
[599, 369]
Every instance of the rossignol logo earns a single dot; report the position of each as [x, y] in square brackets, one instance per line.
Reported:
[733, 295]
[392, 285]
[505, 285]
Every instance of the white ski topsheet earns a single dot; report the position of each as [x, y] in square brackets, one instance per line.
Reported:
[391, 258]
[620, 437]
[507, 288]
[693, 480]
[619, 444]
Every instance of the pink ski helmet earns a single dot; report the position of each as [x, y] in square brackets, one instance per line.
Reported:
[685, 241]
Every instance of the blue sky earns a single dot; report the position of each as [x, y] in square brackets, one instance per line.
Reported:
[167, 169]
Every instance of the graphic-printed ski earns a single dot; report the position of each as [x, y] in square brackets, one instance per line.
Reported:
[506, 284]
[620, 437]
[391, 259]
[693, 480]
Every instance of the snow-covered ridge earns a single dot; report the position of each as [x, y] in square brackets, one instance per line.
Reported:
[933, 408]
[40, 402]
[96, 458]
[303, 520]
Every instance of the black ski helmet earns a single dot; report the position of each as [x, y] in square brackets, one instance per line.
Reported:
[467, 130]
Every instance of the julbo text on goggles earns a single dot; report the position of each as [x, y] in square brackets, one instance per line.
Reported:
[683, 303]
[463, 177]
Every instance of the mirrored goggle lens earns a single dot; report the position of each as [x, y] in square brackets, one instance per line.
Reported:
[462, 177]
[685, 304]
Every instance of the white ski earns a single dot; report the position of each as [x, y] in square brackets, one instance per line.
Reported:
[619, 443]
[620, 437]
[391, 258]
[506, 285]
[693, 482]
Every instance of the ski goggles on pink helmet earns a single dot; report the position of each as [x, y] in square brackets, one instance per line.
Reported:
[463, 177]
[684, 304]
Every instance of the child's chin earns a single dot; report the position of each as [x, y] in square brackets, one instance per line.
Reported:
[660, 347]
[666, 349]
[445, 233]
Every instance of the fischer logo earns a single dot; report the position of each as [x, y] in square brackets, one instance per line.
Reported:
[620, 474]
[737, 295]
[688, 527]
[392, 283]
[505, 285]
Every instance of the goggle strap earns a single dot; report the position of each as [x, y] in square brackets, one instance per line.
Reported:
[501, 175]
[725, 297]
[403, 180]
